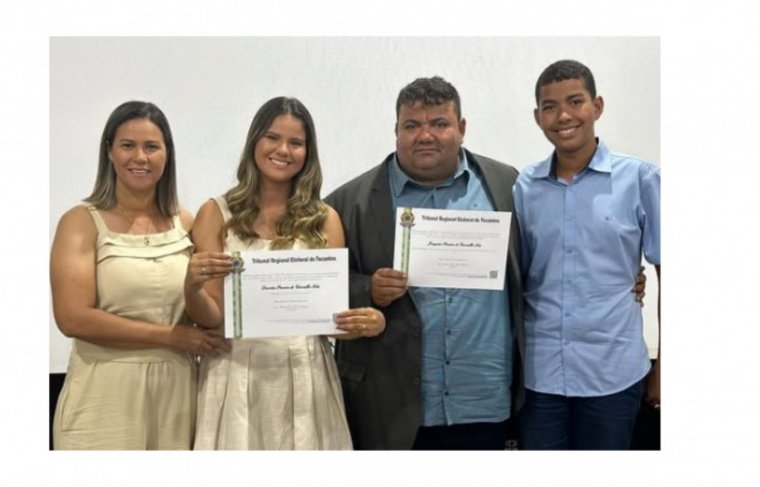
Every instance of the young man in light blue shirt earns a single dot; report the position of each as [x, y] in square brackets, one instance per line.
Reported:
[586, 216]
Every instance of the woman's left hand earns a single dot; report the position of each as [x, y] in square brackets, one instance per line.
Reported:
[360, 323]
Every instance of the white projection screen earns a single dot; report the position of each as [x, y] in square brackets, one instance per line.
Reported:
[210, 88]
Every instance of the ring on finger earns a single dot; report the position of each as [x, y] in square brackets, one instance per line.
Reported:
[203, 270]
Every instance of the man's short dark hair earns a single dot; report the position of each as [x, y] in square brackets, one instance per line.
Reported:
[429, 91]
[563, 70]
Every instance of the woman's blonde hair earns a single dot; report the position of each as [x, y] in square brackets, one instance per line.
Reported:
[305, 214]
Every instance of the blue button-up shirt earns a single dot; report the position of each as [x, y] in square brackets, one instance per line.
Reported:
[466, 336]
[582, 243]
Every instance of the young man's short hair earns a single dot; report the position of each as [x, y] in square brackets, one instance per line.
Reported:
[564, 70]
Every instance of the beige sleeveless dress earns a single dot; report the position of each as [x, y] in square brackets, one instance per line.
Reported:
[115, 399]
[270, 393]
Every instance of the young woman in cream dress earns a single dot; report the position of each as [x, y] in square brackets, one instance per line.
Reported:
[272, 393]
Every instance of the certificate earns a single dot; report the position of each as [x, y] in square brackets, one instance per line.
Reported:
[285, 293]
[452, 248]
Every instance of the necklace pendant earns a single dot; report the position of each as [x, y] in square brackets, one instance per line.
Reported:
[147, 240]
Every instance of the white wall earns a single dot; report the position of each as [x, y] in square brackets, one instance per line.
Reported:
[210, 88]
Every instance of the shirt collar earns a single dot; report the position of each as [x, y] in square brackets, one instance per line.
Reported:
[600, 162]
[399, 179]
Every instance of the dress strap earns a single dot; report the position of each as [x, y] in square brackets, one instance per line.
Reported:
[177, 222]
[100, 224]
[221, 202]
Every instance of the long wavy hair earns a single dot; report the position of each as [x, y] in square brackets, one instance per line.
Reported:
[103, 195]
[305, 214]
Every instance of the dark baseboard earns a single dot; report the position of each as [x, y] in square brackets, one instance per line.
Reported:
[646, 436]
[56, 383]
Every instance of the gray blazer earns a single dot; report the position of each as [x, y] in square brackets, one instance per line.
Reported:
[381, 376]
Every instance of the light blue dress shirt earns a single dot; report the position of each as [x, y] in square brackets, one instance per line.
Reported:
[466, 336]
[582, 243]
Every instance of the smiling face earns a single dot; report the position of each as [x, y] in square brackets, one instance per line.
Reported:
[281, 152]
[428, 139]
[566, 114]
[138, 155]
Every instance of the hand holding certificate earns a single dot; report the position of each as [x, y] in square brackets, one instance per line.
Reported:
[285, 293]
[452, 248]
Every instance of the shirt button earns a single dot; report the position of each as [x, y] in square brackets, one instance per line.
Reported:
[445, 393]
[448, 332]
[568, 251]
[570, 217]
[567, 314]
[451, 300]
[448, 362]
[416, 381]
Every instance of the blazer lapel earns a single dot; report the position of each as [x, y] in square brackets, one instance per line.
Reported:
[499, 190]
[381, 213]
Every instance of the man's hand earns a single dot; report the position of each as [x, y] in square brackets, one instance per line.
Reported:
[652, 393]
[387, 286]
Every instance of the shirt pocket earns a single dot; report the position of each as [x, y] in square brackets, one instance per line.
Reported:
[612, 231]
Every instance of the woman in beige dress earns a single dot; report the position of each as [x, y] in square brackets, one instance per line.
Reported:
[272, 393]
[117, 270]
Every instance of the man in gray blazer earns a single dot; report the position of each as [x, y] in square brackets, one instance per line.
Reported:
[445, 373]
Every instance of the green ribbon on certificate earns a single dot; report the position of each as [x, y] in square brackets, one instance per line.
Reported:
[237, 298]
[407, 222]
